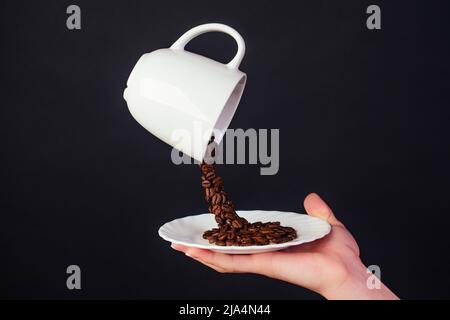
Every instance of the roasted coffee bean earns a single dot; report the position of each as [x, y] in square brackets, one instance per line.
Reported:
[233, 230]
[217, 181]
[258, 238]
[207, 167]
[206, 184]
[216, 209]
[280, 240]
[216, 198]
[208, 193]
[237, 224]
[229, 215]
[273, 225]
[210, 175]
[222, 236]
[227, 208]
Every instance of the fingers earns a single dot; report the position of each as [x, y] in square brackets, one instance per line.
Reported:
[294, 266]
[316, 207]
[218, 269]
[225, 262]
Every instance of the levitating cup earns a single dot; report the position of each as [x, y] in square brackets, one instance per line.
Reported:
[172, 92]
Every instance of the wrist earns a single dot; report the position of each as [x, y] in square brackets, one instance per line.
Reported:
[355, 286]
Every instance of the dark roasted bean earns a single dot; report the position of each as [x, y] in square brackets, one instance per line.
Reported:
[216, 198]
[222, 236]
[206, 184]
[233, 230]
[217, 181]
[210, 175]
[227, 208]
[216, 210]
[212, 239]
[237, 224]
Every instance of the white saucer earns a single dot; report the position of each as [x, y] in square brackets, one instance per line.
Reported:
[188, 231]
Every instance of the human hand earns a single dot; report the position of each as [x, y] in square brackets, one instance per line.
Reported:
[330, 266]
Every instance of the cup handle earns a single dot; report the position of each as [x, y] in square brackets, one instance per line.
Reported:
[210, 27]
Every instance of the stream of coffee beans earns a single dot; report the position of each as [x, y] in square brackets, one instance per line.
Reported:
[233, 230]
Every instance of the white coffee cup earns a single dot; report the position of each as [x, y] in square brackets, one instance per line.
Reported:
[172, 92]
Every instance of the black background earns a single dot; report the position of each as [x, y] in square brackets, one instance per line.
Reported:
[363, 118]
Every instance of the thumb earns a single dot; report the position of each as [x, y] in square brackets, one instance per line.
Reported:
[316, 207]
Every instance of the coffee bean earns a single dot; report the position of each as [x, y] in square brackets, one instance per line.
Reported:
[217, 181]
[222, 236]
[216, 209]
[216, 198]
[237, 224]
[229, 215]
[258, 238]
[233, 230]
[280, 240]
[207, 167]
[227, 208]
[206, 184]
[210, 175]
[273, 225]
